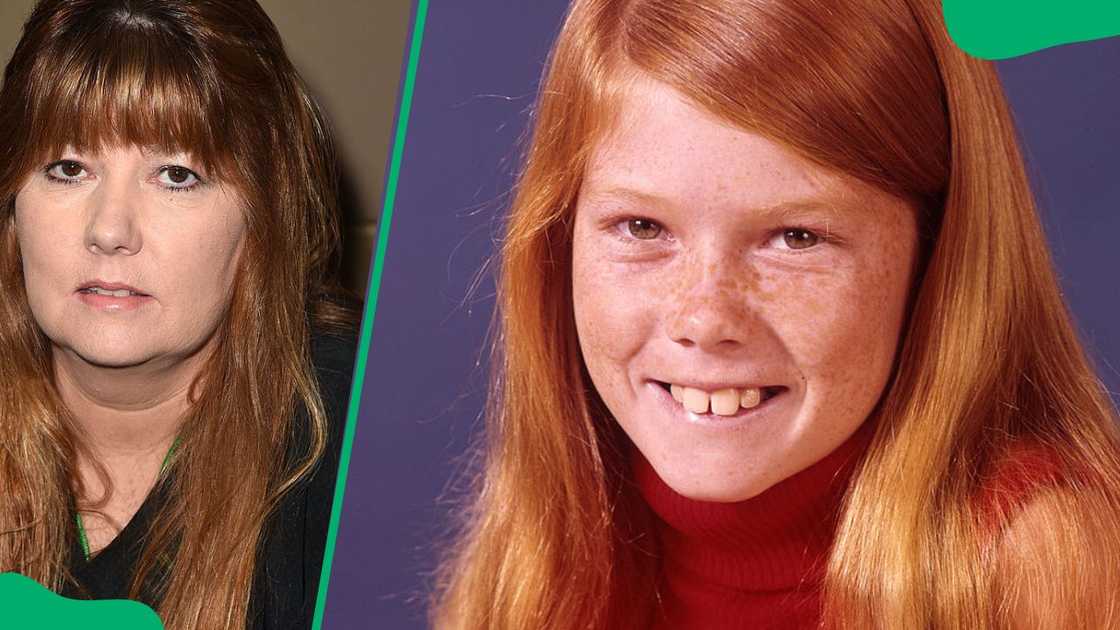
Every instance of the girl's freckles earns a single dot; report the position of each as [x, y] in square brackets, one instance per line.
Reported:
[717, 298]
[699, 313]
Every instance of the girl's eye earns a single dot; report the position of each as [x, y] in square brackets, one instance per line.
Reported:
[66, 171]
[178, 177]
[797, 238]
[643, 229]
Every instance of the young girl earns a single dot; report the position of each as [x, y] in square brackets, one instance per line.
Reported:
[781, 345]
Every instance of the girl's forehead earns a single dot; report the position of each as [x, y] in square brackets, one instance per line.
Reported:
[661, 145]
[664, 147]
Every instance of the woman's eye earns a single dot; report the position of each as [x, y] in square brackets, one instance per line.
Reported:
[66, 171]
[797, 238]
[178, 177]
[643, 229]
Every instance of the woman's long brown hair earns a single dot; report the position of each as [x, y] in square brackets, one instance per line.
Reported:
[209, 77]
[990, 369]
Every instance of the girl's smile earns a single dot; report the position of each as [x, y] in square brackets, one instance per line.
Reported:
[738, 307]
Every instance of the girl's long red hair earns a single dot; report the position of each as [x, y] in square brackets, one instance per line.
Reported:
[989, 368]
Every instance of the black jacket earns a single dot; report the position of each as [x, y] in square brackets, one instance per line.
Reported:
[291, 552]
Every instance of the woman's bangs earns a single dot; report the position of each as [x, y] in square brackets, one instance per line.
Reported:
[135, 90]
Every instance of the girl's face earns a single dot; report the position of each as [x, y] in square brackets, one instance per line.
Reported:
[738, 307]
[129, 255]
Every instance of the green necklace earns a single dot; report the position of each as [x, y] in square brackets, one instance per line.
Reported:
[83, 540]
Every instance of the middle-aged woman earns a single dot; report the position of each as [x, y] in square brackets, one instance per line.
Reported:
[175, 366]
[780, 342]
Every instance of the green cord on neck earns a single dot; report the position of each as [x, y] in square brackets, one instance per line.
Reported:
[83, 540]
[167, 457]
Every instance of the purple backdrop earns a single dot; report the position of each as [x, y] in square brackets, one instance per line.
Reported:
[426, 375]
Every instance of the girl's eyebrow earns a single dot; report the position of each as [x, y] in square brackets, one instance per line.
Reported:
[826, 203]
[807, 207]
[626, 196]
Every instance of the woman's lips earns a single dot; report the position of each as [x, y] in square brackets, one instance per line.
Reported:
[105, 287]
[112, 296]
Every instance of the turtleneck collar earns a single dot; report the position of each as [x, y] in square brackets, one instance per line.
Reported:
[756, 563]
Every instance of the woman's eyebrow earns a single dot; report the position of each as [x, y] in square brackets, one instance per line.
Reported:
[157, 153]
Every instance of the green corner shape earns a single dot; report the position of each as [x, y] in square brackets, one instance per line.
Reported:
[26, 604]
[1000, 29]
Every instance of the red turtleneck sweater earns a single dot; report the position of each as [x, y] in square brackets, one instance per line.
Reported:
[759, 564]
[756, 564]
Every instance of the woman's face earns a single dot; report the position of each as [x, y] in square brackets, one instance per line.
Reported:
[738, 307]
[128, 255]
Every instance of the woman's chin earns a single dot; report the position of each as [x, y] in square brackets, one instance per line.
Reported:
[117, 355]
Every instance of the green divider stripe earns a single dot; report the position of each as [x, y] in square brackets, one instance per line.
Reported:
[420, 17]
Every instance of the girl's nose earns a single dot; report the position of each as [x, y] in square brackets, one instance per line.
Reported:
[712, 309]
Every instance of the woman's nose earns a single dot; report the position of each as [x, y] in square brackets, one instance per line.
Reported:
[112, 227]
[711, 308]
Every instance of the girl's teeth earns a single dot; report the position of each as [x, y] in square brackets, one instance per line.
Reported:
[695, 400]
[725, 402]
[750, 398]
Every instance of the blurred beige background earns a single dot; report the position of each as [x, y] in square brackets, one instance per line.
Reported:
[349, 52]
